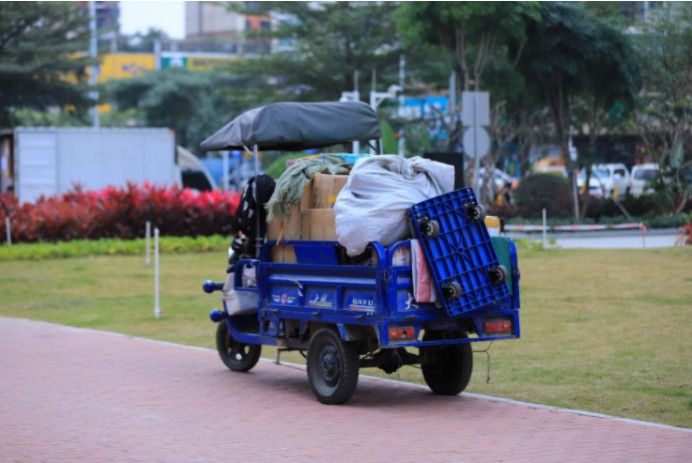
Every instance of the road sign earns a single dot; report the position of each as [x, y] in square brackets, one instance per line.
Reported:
[475, 108]
[476, 141]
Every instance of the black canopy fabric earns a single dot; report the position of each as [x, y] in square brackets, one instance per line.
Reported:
[297, 126]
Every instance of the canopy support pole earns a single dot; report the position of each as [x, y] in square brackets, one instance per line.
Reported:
[258, 238]
[258, 242]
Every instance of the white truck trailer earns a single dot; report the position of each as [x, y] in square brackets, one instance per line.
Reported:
[53, 160]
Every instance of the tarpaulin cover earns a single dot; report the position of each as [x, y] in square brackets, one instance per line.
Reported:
[293, 126]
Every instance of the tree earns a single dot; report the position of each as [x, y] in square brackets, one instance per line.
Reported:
[665, 110]
[620, 15]
[194, 104]
[471, 33]
[519, 121]
[144, 43]
[325, 44]
[569, 54]
[475, 38]
[42, 57]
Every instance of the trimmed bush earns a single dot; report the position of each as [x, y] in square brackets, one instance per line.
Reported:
[119, 213]
[539, 191]
[505, 211]
[645, 205]
[668, 221]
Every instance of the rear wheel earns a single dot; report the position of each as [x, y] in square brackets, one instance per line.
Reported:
[447, 369]
[237, 356]
[332, 366]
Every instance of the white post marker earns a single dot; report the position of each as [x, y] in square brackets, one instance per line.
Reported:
[8, 230]
[545, 229]
[157, 308]
[642, 227]
[147, 236]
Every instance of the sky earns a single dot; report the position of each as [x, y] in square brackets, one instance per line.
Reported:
[136, 16]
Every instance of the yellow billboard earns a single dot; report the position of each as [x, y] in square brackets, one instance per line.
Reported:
[206, 63]
[197, 61]
[125, 65]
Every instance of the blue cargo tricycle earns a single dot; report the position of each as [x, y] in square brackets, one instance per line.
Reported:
[342, 316]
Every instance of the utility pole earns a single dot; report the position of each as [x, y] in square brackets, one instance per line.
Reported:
[353, 96]
[402, 78]
[93, 75]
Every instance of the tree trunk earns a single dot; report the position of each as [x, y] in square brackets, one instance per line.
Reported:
[557, 104]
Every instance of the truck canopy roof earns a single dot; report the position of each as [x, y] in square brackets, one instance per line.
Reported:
[292, 126]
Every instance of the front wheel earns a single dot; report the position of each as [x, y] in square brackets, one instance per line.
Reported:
[447, 369]
[332, 366]
[236, 355]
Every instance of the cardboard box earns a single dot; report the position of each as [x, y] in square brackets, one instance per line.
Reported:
[325, 189]
[290, 229]
[283, 253]
[318, 225]
[320, 193]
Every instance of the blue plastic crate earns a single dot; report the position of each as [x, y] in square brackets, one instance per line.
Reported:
[459, 251]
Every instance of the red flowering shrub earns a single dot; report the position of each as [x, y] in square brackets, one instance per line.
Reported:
[119, 213]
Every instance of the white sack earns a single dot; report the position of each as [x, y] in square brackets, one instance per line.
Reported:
[373, 206]
[238, 302]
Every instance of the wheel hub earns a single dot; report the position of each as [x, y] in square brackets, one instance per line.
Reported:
[330, 365]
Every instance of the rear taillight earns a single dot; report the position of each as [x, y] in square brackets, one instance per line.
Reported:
[499, 326]
[402, 333]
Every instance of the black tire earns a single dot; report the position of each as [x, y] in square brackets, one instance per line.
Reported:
[498, 275]
[237, 356]
[475, 212]
[332, 366]
[447, 369]
[431, 229]
[452, 290]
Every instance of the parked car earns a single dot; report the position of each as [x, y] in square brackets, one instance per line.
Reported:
[607, 181]
[557, 170]
[642, 179]
[501, 179]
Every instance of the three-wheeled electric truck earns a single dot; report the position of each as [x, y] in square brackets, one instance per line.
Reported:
[343, 316]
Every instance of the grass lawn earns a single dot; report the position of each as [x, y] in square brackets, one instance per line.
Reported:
[608, 331]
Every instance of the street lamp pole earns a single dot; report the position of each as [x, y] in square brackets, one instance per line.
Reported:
[353, 96]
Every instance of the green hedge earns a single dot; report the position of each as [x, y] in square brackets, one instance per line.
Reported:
[543, 191]
[111, 247]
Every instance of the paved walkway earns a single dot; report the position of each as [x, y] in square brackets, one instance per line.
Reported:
[72, 395]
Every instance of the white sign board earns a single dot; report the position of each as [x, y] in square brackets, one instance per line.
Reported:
[476, 142]
[475, 108]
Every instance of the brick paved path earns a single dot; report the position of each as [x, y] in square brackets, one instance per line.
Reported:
[71, 395]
